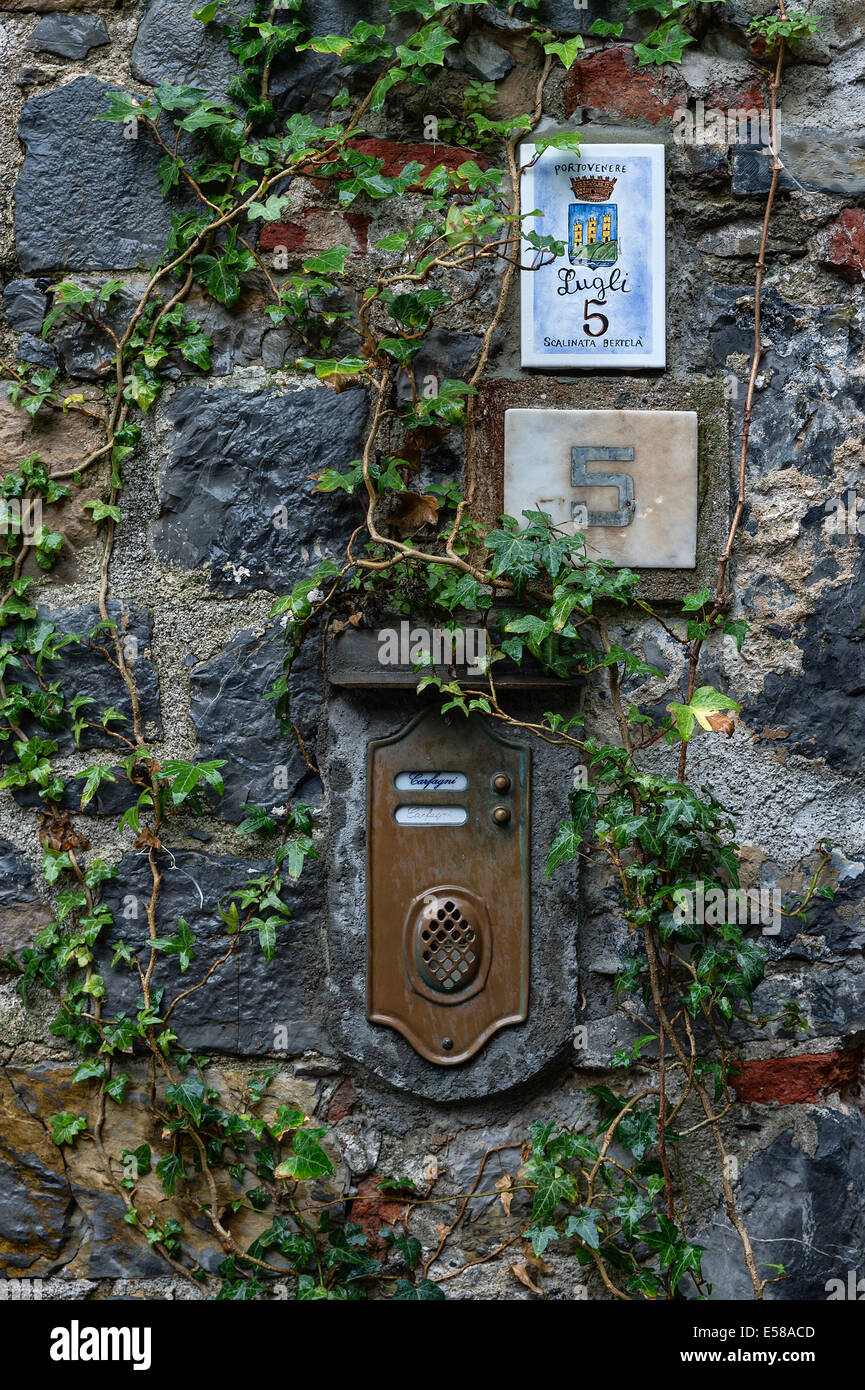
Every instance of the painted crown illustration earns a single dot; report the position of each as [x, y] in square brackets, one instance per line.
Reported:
[593, 190]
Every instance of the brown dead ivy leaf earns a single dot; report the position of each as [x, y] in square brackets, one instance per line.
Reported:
[520, 1271]
[504, 1186]
[722, 723]
[148, 839]
[339, 626]
[410, 450]
[536, 1261]
[414, 510]
[57, 832]
[424, 437]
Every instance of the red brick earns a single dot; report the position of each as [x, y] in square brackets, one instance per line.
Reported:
[610, 82]
[317, 229]
[844, 244]
[396, 155]
[288, 234]
[798, 1080]
[753, 96]
[342, 1101]
[372, 1210]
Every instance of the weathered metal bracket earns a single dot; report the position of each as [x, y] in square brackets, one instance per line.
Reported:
[447, 884]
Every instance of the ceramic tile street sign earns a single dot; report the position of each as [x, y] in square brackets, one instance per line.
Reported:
[602, 303]
[626, 479]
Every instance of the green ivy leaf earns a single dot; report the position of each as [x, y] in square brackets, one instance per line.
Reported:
[65, 1127]
[188, 1095]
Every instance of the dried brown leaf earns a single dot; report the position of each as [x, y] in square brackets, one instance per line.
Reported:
[504, 1186]
[722, 723]
[414, 510]
[520, 1271]
[148, 839]
[340, 625]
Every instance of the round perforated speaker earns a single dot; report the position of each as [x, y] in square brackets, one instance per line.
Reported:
[448, 942]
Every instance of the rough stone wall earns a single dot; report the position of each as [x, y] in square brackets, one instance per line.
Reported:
[198, 561]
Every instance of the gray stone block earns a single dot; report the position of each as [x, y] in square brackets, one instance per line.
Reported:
[800, 1211]
[444, 354]
[25, 306]
[248, 1007]
[84, 670]
[32, 349]
[568, 18]
[69, 35]
[815, 160]
[481, 58]
[232, 718]
[172, 46]
[16, 877]
[236, 496]
[86, 198]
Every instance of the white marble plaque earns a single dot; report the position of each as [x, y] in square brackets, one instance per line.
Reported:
[602, 303]
[627, 479]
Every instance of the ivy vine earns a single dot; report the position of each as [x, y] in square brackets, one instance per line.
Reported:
[603, 1187]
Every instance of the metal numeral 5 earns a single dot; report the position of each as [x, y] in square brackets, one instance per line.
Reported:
[581, 456]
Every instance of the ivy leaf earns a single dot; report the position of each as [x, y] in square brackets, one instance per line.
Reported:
[267, 936]
[552, 1185]
[169, 1169]
[188, 1095]
[738, 629]
[268, 211]
[425, 1291]
[584, 1225]
[565, 847]
[751, 959]
[101, 511]
[397, 241]
[541, 1236]
[65, 1127]
[222, 281]
[196, 349]
[664, 45]
[687, 1257]
[568, 50]
[632, 1208]
[410, 1247]
[331, 262]
[513, 555]
[707, 702]
[180, 945]
[309, 1159]
[116, 1087]
[88, 1071]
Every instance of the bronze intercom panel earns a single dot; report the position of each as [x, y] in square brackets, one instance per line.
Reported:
[447, 884]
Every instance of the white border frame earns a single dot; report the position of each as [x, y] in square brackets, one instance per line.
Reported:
[555, 361]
